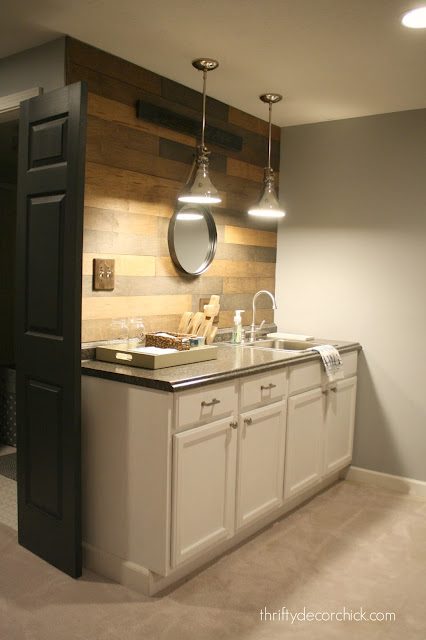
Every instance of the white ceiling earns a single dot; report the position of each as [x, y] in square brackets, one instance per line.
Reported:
[330, 59]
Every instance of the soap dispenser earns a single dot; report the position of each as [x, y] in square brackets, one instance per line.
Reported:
[237, 328]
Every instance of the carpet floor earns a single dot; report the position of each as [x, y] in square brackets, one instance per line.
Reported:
[349, 548]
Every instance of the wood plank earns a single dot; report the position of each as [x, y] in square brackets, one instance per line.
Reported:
[107, 86]
[221, 268]
[230, 302]
[124, 243]
[125, 265]
[99, 329]
[244, 170]
[242, 252]
[226, 318]
[194, 99]
[123, 190]
[185, 153]
[236, 218]
[239, 235]
[255, 146]
[83, 54]
[107, 149]
[106, 136]
[248, 285]
[125, 114]
[115, 111]
[250, 122]
[133, 285]
[120, 221]
[169, 117]
[113, 307]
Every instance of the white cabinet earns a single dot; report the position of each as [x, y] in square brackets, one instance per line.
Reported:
[339, 424]
[261, 442]
[170, 480]
[320, 424]
[305, 441]
[207, 502]
[203, 488]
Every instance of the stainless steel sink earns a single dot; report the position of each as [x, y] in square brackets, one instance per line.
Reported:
[295, 346]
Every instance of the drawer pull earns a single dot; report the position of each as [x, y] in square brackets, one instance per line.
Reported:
[334, 389]
[209, 404]
[233, 424]
[270, 386]
[325, 393]
[248, 420]
[124, 356]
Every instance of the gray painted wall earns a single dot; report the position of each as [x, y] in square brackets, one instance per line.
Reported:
[351, 264]
[42, 66]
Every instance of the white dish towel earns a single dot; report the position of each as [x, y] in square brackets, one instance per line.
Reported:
[333, 364]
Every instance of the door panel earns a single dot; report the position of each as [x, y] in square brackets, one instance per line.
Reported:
[260, 462]
[304, 445]
[52, 134]
[204, 460]
[45, 225]
[340, 420]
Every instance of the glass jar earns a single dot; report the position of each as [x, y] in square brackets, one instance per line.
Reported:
[136, 333]
[119, 332]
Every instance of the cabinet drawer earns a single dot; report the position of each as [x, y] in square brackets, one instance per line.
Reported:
[263, 389]
[207, 404]
[350, 363]
[303, 377]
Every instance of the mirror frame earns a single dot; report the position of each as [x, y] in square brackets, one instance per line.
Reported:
[211, 227]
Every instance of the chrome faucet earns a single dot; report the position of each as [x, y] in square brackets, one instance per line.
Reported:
[253, 331]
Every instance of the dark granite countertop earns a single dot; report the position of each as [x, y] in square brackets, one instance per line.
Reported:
[232, 362]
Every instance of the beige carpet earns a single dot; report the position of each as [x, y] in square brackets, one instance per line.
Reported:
[352, 546]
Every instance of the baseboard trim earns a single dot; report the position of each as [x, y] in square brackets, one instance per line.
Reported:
[408, 486]
[145, 581]
[122, 571]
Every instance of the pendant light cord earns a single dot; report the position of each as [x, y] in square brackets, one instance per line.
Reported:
[269, 139]
[204, 108]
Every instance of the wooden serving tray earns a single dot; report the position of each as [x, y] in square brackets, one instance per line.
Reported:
[115, 353]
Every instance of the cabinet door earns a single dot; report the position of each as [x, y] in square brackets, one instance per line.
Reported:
[260, 461]
[204, 462]
[304, 446]
[339, 424]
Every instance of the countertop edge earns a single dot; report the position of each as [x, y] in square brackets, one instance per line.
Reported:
[191, 383]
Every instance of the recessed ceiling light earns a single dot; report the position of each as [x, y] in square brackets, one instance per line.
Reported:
[415, 19]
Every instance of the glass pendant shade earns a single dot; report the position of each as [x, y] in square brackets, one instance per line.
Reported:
[199, 188]
[268, 206]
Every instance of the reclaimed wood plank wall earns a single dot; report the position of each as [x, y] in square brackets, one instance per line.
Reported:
[134, 172]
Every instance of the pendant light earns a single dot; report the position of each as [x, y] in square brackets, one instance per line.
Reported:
[268, 206]
[199, 188]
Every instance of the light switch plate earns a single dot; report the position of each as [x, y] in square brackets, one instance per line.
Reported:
[103, 274]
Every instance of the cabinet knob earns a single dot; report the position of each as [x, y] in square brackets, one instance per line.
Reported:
[270, 386]
[233, 424]
[325, 392]
[248, 420]
[209, 404]
[334, 389]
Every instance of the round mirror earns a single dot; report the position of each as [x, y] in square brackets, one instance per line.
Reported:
[192, 238]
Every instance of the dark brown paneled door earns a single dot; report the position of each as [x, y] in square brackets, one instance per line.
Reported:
[52, 135]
